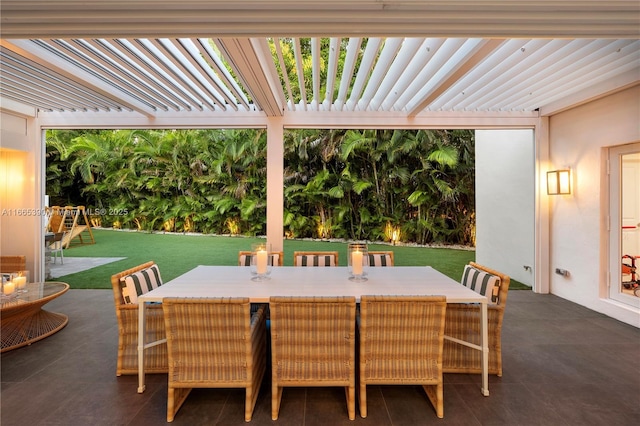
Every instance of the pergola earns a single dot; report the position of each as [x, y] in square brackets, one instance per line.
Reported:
[162, 61]
[508, 64]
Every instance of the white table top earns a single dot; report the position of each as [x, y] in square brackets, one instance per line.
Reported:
[235, 281]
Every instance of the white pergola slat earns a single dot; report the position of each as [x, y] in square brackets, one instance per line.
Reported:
[332, 71]
[383, 64]
[161, 79]
[347, 73]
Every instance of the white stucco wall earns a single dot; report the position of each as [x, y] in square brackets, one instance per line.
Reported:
[505, 188]
[577, 222]
[20, 222]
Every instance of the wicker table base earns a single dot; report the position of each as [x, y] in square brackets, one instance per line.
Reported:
[23, 321]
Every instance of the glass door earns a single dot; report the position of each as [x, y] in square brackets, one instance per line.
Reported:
[624, 239]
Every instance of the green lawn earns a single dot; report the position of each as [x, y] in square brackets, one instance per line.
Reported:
[177, 254]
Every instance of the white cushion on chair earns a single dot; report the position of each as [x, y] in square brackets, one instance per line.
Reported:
[380, 259]
[315, 260]
[245, 260]
[139, 283]
[481, 282]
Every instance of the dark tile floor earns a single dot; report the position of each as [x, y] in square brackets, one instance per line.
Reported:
[563, 365]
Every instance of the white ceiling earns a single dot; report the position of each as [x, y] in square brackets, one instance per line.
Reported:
[415, 58]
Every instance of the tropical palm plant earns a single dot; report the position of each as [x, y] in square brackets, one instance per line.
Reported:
[345, 184]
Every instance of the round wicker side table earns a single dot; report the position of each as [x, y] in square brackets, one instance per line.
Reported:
[22, 319]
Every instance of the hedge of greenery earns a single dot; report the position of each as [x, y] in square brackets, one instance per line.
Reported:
[349, 184]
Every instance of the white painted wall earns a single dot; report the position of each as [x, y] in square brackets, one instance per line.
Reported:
[505, 188]
[578, 235]
[20, 169]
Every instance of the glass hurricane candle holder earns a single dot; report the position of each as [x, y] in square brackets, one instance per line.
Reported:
[20, 279]
[8, 287]
[357, 254]
[261, 261]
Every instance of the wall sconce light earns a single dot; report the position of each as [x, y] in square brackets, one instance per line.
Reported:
[559, 182]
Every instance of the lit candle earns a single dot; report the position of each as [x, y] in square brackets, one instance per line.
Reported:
[356, 262]
[261, 262]
[8, 287]
[20, 282]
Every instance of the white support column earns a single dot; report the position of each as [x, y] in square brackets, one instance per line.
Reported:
[275, 183]
[40, 270]
[542, 238]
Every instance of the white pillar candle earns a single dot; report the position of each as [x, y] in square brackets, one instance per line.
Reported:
[20, 282]
[261, 262]
[356, 262]
[8, 288]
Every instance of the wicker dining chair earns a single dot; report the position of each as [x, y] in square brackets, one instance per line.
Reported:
[401, 341]
[10, 264]
[214, 343]
[380, 258]
[463, 323]
[312, 344]
[315, 258]
[155, 359]
[244, 258]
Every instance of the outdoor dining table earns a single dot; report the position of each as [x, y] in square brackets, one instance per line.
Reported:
[235, 281]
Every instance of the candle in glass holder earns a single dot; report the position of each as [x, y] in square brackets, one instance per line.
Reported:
[261, 261]
[8, 288]
[356, 262]
[20, 282]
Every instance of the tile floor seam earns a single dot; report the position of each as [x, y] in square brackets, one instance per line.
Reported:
[386, 406]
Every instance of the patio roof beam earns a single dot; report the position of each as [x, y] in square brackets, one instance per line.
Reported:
[251, 61]
[292, 18]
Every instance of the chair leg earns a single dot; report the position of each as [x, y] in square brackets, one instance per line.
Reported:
[175, 399]
[250, 402]
[276, 397]
[171, 410]
[363, 399]
[436, 396]
[351, 401]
